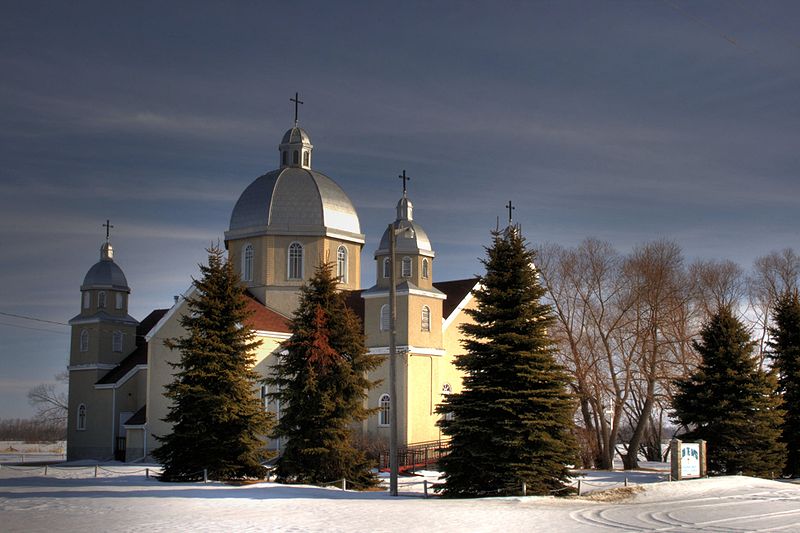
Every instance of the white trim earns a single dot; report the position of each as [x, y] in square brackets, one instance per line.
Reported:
[301, 265]
[134, 426]
[121, 381]
[403, 292]
[460, 307]
[410, 350]
[272, 334]
[384, 410]
[91, 366]
[168, 315]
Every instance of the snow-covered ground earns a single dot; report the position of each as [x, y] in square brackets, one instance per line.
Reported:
[121, 498]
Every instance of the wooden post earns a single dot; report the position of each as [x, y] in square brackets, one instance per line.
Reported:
[579, 487]
[626, 481]
[703, 472]
[524, 489]
[205, 475]
[675, 459]
[45, 470]
[147, 473]
[425, 487]
[344, 483]
[95, 470]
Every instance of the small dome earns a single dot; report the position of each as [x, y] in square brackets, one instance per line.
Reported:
[294, 200]
[414, 240]
[296, 135]
[105, 274]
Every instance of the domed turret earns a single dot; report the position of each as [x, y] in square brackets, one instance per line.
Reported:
[105, 274]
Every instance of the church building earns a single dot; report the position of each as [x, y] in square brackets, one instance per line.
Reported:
[283, 226]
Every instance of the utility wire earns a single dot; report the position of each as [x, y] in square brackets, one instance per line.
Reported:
[34, 319]
[34, 329]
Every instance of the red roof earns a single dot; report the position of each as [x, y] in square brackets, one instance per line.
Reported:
[264, 318]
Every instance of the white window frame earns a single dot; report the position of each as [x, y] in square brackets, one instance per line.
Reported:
[341, 263]
[406, 269]
[116, 341]
[83, 344]
[119, 300]
[294, 260]
[425, 322]
[387, 268]
[247, 262]
[384, 411]
[385, 318]
[87, 299]
[80, 422]
[425, 268]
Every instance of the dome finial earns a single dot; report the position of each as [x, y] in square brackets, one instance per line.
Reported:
[404, 206]
[405, 179]
[297, 102]
[106, 251]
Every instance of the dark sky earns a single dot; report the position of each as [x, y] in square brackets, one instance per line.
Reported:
[626, 121]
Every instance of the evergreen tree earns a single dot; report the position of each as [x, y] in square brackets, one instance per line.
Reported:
[320, 381]
[785, 345]
[217, 420]
[731, 403]
[512, 422]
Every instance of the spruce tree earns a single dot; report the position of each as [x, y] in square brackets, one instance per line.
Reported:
[218, 422]
[512, 422]
[320, 381]
[731, 403]
[785, 346]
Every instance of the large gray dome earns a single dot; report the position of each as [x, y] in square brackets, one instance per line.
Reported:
[413, 241]
[105, 274]
[294, 200]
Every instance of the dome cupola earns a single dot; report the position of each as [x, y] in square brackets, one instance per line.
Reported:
[105, 274]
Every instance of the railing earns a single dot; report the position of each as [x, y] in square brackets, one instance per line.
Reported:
[417, 455]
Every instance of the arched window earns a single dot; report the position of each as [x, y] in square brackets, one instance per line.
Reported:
[84, 345]
[81, 417]
[384, 405]
[406, 268]
[101, 299]
[387, 266]
[385, 317]
[341, 264]
[87, 299]
[120, 300]
[283, 158]
[425, 273]
[247, 263]
[116, 341]
[296, 157]
[305, 159]
[295, 270]
[426, 318]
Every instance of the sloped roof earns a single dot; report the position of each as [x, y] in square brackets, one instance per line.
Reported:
[147, 324]
[138, 357]
[138, 418]
[354, 301]
[456, 291]
[264, 318]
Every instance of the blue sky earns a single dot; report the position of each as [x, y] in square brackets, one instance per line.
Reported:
[626, 121]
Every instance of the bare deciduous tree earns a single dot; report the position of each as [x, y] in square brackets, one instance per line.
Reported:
[50, 400]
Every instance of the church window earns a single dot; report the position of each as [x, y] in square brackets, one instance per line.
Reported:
[247, 263]
[101, 299]
[84, 345]
[384, 405]
[81, 417]
[87, 299]
[305, 158]
[426, 318]
[296, 157]
[341, 264]
[425, 273]
[283, 158]
[116, 342]
[387, 268]
[295, 270]
[264, 396]
[384, 317]
[120, 300]
[406, 267]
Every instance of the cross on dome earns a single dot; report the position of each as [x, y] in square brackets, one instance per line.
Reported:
[405, 179]
[297, 102]
[108, 227]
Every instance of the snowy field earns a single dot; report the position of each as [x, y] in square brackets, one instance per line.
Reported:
[121, 498]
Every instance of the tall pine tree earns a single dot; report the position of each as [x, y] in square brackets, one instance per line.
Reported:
[785, 345]
[512, 422]
[731, 403]
[320, 381]
[217, 419]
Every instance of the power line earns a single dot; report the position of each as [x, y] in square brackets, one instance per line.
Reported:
[34, 329]
[34, 319]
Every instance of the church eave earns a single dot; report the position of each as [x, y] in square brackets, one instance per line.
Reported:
[102, 316]
[307, 231]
